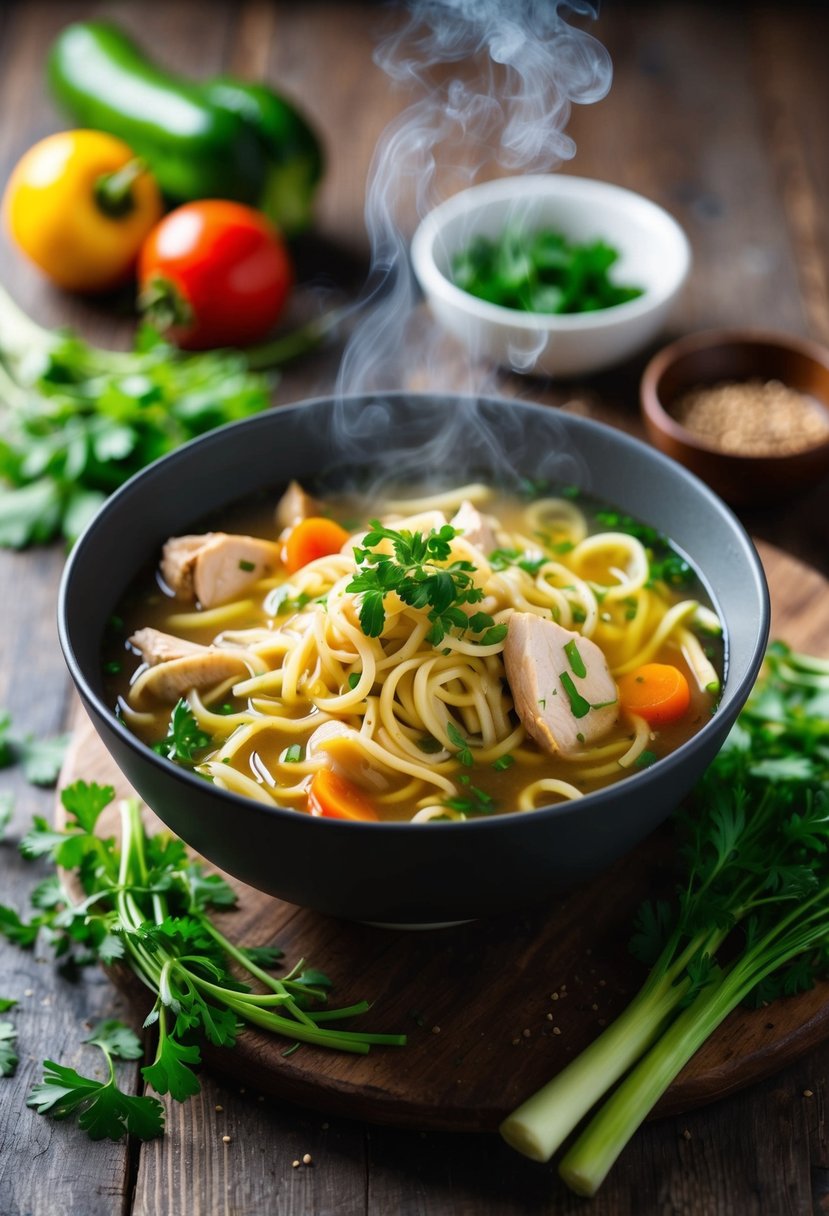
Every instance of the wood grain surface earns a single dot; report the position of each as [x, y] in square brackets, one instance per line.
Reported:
[493, 1008]
[718, 112]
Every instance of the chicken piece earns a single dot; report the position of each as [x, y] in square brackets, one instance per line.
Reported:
[157, 647]
[563, 691]
[228, 564]
[168, 681]
[216, 566]
[295, 505]
[474, 527]
[178, 558]
[341, 746]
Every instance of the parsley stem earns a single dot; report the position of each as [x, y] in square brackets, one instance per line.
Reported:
[270, 981]
[347, 1011]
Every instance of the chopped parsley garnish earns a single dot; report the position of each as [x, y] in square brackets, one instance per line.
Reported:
[184, 736]
[503, 762]
[284, 599]
[247, 566]
[542, 272]
[464, 753]
[666, 565]
[354, 679]
[421, 573]
[574, 659]
[578, 704]
[429, 745]
[646, 759]
[501, 559]
[477, 802]
[672, 570]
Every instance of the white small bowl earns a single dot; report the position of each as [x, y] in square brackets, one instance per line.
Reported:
[654, 254]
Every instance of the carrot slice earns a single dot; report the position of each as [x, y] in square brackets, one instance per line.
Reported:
[657, 692]
[311, 538]
[335, 797]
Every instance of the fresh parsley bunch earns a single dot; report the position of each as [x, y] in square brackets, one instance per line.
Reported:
[76, 421]
[754, 874]
[146, 905]
[420, 571]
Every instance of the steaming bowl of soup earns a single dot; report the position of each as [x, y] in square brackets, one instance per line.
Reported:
[403, 871]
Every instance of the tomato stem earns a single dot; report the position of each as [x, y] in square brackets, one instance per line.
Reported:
[163, 305]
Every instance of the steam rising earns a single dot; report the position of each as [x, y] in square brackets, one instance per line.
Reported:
[493, 83]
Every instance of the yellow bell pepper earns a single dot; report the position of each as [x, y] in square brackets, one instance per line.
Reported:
[80, 205]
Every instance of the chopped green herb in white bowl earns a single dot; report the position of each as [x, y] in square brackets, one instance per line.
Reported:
[622, 263]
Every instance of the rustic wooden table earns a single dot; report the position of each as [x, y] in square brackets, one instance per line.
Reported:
[719, 113]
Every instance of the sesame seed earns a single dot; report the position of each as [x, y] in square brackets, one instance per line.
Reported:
[295, 1164]
[307, 1159]
[808, 1093]
[526, 1032]
[753, 417]
[594, 1006]
[553, 996]
[220, 1109]
[556, 1030]
[686, 1135]
[436, 1030]
[549, 1017]
[225, 1139]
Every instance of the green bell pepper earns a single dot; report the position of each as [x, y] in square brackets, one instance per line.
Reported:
[215, 139]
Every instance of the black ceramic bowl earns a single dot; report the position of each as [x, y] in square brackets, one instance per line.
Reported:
[398, 872]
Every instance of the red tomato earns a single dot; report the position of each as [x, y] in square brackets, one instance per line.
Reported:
[214, 273]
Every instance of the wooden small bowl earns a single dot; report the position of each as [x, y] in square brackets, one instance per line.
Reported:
[720, 355]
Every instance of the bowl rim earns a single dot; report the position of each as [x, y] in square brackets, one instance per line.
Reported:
[496, 823]
[553, 185]
[656, 413]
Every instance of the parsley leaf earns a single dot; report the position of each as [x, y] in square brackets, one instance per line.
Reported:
[6, 812]
[6, 750]
[40, 759]
[184, 736]
[148, 905]
[420, 571]
[463, 751]
[103, 1110]
[8, 1055]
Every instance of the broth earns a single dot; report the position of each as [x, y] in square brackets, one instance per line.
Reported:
[451, 713]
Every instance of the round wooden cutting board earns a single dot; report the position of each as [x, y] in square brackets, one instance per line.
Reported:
[495, 1008]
